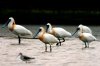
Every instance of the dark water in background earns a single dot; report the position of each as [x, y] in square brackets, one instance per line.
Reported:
[34, 28]
[57, 17]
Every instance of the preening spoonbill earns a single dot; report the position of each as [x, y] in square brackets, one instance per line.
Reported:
[46, 38]
[17, 29]
[86, 37]
[25, 58]
[58, 32]
[85, 29]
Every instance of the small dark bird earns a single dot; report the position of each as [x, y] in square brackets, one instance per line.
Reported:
[25, 58]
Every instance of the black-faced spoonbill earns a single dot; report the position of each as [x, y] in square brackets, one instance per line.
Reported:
[17, 29]
[25, 58]
[58, 32]
[85, 37]
[84, 29]
[46, 38]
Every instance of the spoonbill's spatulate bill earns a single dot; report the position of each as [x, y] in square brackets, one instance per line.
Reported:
[17, 29]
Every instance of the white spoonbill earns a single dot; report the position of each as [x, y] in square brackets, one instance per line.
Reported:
[17, 29]
[58, 32]
[46, 38]
[86, 37]
[84, 29]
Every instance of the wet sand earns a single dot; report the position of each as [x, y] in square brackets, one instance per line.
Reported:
[71, 53]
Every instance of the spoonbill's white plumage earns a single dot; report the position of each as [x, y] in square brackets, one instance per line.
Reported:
[46, 38]
[84, 29]
[17, 29]
[85, 37]
[58, 32]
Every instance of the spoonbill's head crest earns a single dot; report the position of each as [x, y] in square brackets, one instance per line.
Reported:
[80, 26]
[41, 28]
[10, 17]
[48, 23]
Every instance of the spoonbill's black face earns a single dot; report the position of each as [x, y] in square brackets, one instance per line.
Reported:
[39, 30]
[47, 26]
[37, 33]
[76, 31]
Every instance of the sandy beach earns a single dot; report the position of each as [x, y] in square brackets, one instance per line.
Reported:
[72, 52]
